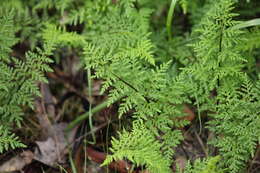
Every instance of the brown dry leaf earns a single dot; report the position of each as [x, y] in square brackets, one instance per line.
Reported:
[54, 149]
[18, 162]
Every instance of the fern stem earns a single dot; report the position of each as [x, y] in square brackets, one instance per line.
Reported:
[72, 164]
[128, 84]
[220, 50]
[131, 86]
[81, 118]
[198, 108]
[169, 19]
[199, 115]
[90, 107]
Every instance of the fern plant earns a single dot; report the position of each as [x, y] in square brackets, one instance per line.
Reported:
[18, 79]
[209, 165]
[126, 63]
[136, 147]
[139, 65]
[236, 120]
[218, 68]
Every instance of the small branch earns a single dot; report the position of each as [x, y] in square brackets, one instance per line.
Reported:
[254, 159]
[96, 109]
[201, 144]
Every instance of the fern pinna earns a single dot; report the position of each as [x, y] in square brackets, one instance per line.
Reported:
[18, 81]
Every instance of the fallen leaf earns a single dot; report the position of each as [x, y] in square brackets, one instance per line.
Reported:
[18, 162]
[54, 149]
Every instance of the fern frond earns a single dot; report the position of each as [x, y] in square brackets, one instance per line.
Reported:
[7, 33]
[18, 81]
[141, 148]
[8, 140]
[237, 124]
[210, 165]
[121, 54]
[54, 36]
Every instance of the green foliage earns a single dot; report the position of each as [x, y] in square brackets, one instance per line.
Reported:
[8, 140]
[126, 63]
[215, 67]
[136, 147]
[18, 80]
[218, 68]
[237, 124]
[216, 64]
[7, 34]
[57, 37]
[208, 64]
[209, 165]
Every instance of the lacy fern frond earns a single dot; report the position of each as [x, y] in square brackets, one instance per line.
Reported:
[210, 165]
[141, 148]
[18, 80]
[236, 123]
[54, 36]
[7, 32]
[236, 117]
[215, 62]
[216, 67]
[121, 54]
[8, 140]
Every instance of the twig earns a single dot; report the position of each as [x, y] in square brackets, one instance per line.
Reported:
[201, 144]
[254, 159]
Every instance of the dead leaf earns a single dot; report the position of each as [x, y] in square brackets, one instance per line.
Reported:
[54, 149]
[18, 162]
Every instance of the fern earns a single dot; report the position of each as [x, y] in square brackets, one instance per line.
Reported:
[219, 68]
[209, 165]
[125, 44]
[126, 64]
[120, 50]
[8, 140]
[7, 34]
[237, 119]
[136, 147]
[18, 82]
[54, 36]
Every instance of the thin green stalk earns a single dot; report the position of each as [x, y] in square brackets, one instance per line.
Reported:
[198, 108]
[90, 107]
[72, 164]
[169, 19]
[199, 115]
[62, 169]
[81, 118]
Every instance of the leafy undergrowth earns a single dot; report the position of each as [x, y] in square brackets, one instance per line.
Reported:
[130, 86]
